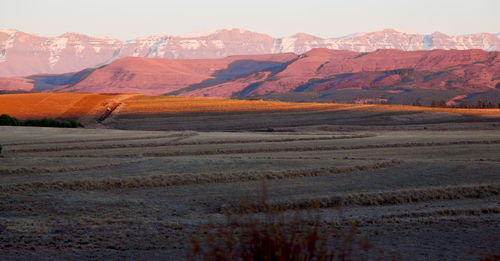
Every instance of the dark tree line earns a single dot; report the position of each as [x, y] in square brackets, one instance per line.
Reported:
[464, 105]
[7, 120]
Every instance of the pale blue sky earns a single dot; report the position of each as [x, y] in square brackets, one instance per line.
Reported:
[128, 19]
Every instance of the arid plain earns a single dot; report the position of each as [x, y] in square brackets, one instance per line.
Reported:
[145, 174]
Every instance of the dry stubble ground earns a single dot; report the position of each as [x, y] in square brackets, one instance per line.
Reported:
[97, 193]
[425, 190]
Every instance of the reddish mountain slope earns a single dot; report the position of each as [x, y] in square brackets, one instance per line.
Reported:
[159, 76]
[391, 76]
[15, 84]
[470, 70]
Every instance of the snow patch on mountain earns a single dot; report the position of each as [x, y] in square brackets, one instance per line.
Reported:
[8, 31]
[154, 48]
[427, 42]
[190, 44]
[331, 44]
[163, 47]
[287, 45]
[145, 43]
[8, 44]
[56, 46]
[79, 47]
[277, 45]
[219, 44]
[97, 49]
[402, 31]
[486, 44]
[349, 36]
[103, 39]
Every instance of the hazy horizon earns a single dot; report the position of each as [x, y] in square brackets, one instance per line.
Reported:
[329, 19]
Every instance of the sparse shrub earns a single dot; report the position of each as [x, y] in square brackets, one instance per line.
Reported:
[270, 129]
[0, 149]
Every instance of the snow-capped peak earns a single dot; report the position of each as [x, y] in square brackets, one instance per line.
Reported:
[8, 31]
[240, 30]
[349, 36]
[199, 34]
[402, 31]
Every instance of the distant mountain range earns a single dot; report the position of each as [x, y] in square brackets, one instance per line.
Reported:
[320, 75]
[23, 54]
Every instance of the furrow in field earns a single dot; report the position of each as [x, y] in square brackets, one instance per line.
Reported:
[445, 212]
[56, 170]
[94, 140]
[176, 143]
[187, 179]
[476, 160]
[397, 197]
[274, 150]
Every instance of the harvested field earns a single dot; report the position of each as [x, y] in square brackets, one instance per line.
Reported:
[421, 183]
[104, 193]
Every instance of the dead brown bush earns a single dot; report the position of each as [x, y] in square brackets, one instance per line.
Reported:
[275, 236]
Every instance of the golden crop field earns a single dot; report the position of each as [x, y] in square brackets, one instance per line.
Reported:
[93, 106]
[55, 105]
[171, 104]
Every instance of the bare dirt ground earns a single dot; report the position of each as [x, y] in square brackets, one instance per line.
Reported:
[421, 187]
